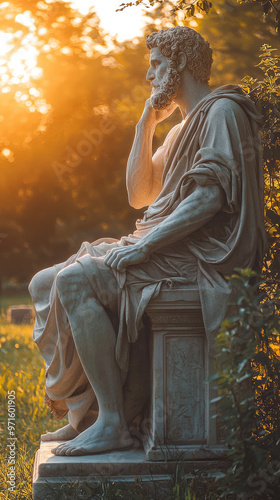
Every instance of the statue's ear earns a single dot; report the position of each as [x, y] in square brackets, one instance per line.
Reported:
[182, 61]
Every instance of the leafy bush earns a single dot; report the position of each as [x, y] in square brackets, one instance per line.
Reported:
[194, 7]
[248, 382]
[266, 93]
[248, 353]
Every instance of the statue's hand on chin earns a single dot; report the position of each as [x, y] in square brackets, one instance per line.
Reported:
[153, 116]
[121, 257]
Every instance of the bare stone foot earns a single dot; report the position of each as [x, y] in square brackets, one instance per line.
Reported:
[98, 438]
[66, 433]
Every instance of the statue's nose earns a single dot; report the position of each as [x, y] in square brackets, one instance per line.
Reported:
[150, 76]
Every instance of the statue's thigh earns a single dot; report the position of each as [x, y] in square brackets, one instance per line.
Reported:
[102, 281]
[42, 282]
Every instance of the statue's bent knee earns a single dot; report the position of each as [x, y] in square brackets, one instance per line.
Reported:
[40, 281]
[69, 280]
[34, 284]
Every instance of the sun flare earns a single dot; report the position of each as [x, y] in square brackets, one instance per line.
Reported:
[22, 42]
[19, 61]
[123, 25]
[18, 52]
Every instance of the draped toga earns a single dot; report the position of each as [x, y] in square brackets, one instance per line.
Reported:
[218, 143]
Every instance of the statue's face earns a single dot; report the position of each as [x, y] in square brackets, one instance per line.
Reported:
[164, 80]
[158, 69]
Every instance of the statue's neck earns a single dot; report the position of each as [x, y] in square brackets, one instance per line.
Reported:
[190, 94]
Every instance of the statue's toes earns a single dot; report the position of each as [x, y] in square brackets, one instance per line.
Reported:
[69, 451]
[45, 437]
[78, 451]
[63, 451]
[48, 436]
[59, 450]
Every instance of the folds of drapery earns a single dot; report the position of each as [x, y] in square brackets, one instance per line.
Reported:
[219, 143]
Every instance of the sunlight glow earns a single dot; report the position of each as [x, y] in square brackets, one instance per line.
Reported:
[26, 20]
[23, 61]
[124, 25]
[20, 49]
[18, 59]
[5, 45]
[8, 154]
[193, 23]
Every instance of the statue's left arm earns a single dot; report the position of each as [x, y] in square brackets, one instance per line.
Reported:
[191, 214]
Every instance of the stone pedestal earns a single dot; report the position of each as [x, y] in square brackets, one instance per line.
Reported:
[179, 421]
[51, 472]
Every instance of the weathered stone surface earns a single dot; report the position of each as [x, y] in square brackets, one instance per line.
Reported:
[179, 418]
[185, 374]
[51, 471]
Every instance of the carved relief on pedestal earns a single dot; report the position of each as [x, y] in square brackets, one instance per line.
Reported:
[185, 389]
[185, 318]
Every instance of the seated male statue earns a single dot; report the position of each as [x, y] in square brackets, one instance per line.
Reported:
[204, 192]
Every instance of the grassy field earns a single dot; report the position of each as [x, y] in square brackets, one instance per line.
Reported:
[14, 300]
[22, 370]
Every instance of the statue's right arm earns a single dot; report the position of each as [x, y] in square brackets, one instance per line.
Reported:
[143, 176]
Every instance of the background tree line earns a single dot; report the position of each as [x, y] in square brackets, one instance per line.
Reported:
[67, 131]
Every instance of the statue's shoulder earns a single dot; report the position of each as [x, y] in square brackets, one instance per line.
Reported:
[225, 108]
[175, 128]
[224, 105]
[173, 132]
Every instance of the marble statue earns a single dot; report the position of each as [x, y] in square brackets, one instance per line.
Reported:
[204, 192]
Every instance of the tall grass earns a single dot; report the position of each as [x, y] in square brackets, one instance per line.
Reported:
[21, 370]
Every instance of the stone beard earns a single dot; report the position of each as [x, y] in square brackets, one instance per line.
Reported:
[167, 91]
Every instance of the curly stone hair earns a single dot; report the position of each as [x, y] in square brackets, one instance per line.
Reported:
[172, 41]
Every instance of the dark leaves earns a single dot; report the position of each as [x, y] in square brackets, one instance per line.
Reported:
[247, 381]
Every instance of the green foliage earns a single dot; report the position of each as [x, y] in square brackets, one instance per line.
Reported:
[195, 7]
[266, 93]
[248, 382]
[194, 486]
[148, 3]
[190, 8]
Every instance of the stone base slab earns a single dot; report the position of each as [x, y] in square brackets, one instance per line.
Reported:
[51, 472]
[199, 453]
